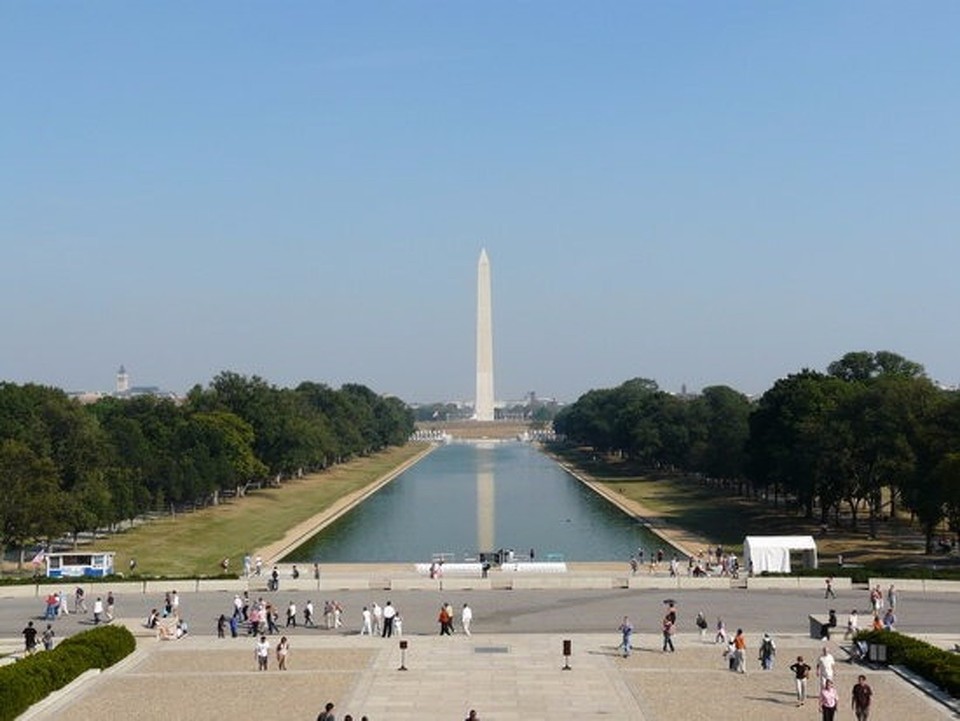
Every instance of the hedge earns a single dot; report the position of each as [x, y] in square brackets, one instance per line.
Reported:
[934, 664]
[33, 678]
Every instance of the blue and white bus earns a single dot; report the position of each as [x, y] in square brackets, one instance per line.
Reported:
[70, 564]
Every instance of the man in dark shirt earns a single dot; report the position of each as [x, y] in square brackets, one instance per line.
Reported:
[30, 638]
[862, 693]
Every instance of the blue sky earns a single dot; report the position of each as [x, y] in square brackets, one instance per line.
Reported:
[699, 193]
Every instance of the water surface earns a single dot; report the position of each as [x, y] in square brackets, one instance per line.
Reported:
[470, 497]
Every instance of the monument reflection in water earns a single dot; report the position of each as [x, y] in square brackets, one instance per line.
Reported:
[469, 497]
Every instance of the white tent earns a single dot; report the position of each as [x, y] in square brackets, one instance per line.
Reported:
[772, 553]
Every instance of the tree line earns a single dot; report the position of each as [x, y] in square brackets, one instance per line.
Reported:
[70, 468]
[871, 434]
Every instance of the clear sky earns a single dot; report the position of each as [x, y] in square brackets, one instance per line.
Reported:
[695, 192]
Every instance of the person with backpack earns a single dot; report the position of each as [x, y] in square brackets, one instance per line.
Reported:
[702, 625]
[768, 650]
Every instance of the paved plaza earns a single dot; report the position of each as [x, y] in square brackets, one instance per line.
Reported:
[509, 669]
[505, 677]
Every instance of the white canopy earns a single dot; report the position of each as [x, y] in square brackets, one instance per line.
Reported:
[772, 553]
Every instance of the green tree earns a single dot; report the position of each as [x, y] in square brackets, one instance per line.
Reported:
[788, 435]
[219, 445]
[33, 502]
[719, 420]
[934, 491]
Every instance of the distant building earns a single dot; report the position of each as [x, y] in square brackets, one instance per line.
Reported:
[125, 390]
[123, 381]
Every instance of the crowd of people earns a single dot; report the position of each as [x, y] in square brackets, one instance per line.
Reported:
[56, 606]
[735, 653]
[705, 563]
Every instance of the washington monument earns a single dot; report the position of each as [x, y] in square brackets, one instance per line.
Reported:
[483, 407]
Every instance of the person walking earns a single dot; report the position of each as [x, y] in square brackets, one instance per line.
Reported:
[366, 627]
[262, 653]
[283, 650]
[892, 597]
[444, 619]
[721, 636]
[828, 700]
[377, 619]
[668, 628]
[626, 633]
[466, 618]
[825, 666]
[701, 623]
[861, 697]
[111, 602]
[768, 650]
[853, 625]
[829, 592]
[269, 614]
[739, 651]
[97, 611]
[47, 638]
[801, 672]
[29, 638]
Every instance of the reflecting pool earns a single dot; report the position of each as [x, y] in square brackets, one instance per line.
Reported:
[469, 497]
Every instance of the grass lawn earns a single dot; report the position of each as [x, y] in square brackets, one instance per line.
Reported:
[195, 543]
[725, 518]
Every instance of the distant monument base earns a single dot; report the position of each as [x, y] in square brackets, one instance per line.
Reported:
[478, 430]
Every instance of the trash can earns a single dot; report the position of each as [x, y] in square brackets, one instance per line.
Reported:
[877, 653]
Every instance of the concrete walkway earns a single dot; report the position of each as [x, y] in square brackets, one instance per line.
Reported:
[505, 677]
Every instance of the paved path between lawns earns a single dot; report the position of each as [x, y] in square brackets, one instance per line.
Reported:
[505, 677]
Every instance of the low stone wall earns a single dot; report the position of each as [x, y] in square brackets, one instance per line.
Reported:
[557, 582]
[916, 585]
[766, 583]
[497, 580]
[841, 583]
[678, 582]
[690, 582]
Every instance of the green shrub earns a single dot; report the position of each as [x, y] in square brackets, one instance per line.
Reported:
[31, 679]
[934, 664]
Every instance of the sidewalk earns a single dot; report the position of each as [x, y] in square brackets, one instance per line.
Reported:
[505, 677]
